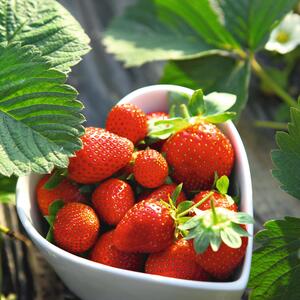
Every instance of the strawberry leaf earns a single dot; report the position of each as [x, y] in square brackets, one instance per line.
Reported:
[220, 118]
[175, 100]
[231, 238]
[275, 270]
[39, 115]
[222, 184]
[216, 103]
[54, 207]
[176, 193]
[196, 104]
[48, 26]
[242, 218]
[183, 206]
[287, 158]
[55, 179]
[201, 242]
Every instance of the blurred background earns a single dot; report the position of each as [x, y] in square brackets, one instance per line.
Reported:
[102, 81]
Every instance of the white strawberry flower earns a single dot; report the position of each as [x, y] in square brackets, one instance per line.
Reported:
[286, 36]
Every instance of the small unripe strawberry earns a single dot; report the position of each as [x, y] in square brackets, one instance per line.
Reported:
[150, 168]
[65, 191]
[106, 253]
[129, 121]
[112, 199]
[76, 227]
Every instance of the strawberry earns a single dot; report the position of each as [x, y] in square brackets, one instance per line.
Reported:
[129, 121]
[102, 155]
[219, 201]
[112, 199]
[196, 153]
[164, 192]
[146, 228]
[222, 263]
[106, 253]
[76, 227]
[150, 168]
[65, 191]
[177, 261]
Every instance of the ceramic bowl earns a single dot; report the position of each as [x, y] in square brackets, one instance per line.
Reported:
[93, 281]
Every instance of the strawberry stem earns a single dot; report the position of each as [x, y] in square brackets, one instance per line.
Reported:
[214, 213]
[195, 205]
[14, 235]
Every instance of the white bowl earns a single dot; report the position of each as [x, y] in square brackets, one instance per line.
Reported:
[91, 281]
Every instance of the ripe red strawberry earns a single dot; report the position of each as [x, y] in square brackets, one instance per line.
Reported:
[221, 264]
[196, 153]
[106, 253]
[112, 199]
[177, 261]
[150, 168]
[76, 227]
[146, 228]
[65, 191]
[127, 120]
[102, 155]
[164, 192]
[219, 201]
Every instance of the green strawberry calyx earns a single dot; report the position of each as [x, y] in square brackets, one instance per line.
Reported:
[214, 226]
[54, 207]
[186, 111]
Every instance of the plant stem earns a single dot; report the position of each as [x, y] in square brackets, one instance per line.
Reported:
[272, 125]
[195, 205]
[14, 235]
[260, 72]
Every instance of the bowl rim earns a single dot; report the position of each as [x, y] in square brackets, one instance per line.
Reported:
[236, 285]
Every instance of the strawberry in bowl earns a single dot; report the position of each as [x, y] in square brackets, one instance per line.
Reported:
[167, 227]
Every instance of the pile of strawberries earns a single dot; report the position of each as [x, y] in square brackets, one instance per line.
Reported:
[123, 200]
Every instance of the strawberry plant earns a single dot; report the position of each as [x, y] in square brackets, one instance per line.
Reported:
[40, 117]
[208, 44]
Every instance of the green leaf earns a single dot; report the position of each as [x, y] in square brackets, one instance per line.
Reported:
[275, 270]
[7, 189]
[196, 104]
[201, 242]
[176, 193]
[212, 73]
[215, 241]
[47, 25]
[191, 223]
[55, 179]
[54, 207]
[251, 21]
[287, 158]
[39, 116]
[183, 206]
[222, 184]
[216, 103]
[175, 100]
[242, 218]
[162, 129]
[167, 29]
[220, 118]
[231, 238]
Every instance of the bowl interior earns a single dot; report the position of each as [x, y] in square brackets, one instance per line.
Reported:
[153, 98]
